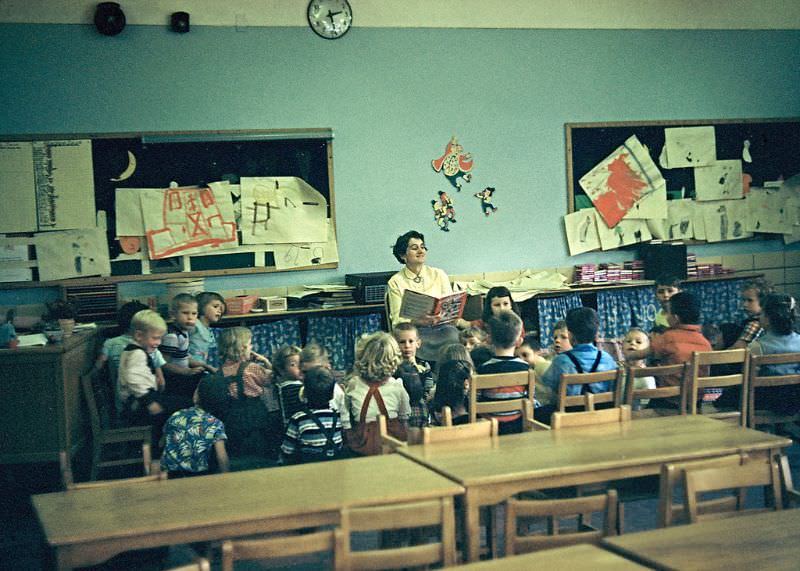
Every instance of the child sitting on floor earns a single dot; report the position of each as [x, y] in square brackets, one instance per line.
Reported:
[471, 337]
[409, 342]
[418, 413]
[190, 435]
[288, 381]
[497, 299]
[202, 343]
[314, 355]
[314, 434]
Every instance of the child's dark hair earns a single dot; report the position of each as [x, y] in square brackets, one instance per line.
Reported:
[658, 329]
[583, 324]
[318, 387]
[206, 297]
[684, 306]
[281, 358]
[450, 384]
[762, 286]
[497, 291]
[411, 382]
[781, 311]
[126, 313]
[179, 300]
[401, 245]
[560, 324]
[532, 340]
[481, 354]
[404, 326]
[504, 329]
[711, 331]
[668, 280]
[475, 332]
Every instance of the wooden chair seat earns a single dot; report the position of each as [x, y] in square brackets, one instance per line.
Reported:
[555, 509]
[678, 393]
[698, 381]
[764, 416]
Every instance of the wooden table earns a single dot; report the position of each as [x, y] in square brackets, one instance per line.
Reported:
[492, 470]
[763, 541]
[86, 527]
[575, 558]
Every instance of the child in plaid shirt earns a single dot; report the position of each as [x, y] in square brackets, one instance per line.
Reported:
[418, 417]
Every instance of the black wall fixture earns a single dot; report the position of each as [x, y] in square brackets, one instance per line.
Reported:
[109, 18]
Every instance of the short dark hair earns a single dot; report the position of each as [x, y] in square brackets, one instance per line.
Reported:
[780, 310]
[401, 244]
[504, 329]
[684, 306]
[658, 329]
[532, 341]
[481, 354]
[404, 326]
[762, 286]
[497, 291]
[450, 384]
[583, 324]
[179, 300]
[206, 297]
[126, 313]
[318, 383]
[411, 382]
[668, 280]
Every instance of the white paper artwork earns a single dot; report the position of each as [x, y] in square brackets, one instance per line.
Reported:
[699, 220]
[679, 220]
[658, 228]
[767, 211]
[187, 220]
[720, 181]
[725, 220]
[128, 211]
[72, 254]
[689, 147]
[288, 256]
[17, 184]
[282, 210]
[581, 228]
[623, 234]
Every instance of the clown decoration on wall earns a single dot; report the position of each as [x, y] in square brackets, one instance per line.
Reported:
[455, 164]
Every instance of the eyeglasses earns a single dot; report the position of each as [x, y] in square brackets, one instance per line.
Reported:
[417, 247]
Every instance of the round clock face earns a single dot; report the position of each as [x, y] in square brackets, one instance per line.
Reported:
[330, 19]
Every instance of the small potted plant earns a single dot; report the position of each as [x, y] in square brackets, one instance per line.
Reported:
[62, 312]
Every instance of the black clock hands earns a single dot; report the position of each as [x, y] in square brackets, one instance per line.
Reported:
[332, 14]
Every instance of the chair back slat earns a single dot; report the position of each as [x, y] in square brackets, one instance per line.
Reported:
[483, 428]
[765, 416]
[615, 376]
[285, 546]
[679, 371]
[619, 414]
[496, 381]
[700, 379]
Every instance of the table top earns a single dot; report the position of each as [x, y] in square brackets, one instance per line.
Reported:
[763, 541]
[576, 558]
[78, 516]
[575, 451]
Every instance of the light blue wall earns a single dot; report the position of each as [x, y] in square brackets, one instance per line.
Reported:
[393, 98]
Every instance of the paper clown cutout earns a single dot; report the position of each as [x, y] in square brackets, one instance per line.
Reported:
[486, 200]
[620, 180]
[443, 211]
[455, 164]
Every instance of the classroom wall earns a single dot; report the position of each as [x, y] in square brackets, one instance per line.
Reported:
[394, 97]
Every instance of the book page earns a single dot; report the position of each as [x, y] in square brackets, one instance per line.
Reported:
[416, 305]
[451, 306]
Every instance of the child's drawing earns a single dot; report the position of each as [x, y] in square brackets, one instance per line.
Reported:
[767, 211]
[618, 182]
[455, 164]
[186, 220]
[689, 147]
[72, 254]
[720, 181]
[679, 224]
[581, 230]
[282, 210]
[626, 232]
[288, 256]
[725, 220]
[486, 200]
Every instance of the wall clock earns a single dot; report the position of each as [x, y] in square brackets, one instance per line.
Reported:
[330, 19]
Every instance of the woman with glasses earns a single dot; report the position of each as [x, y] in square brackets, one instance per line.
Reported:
[410, 250]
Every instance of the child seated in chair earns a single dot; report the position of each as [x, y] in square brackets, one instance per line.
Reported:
[583, 325]
[190, 435]
[452, 388]
[314, 434]
[637, 340]
[532, 353]
[504, 336]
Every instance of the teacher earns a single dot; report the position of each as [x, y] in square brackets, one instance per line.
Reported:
[410, 250]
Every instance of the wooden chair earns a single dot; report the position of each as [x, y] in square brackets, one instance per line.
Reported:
[270, 548]
[517, 543]
[396, 517]
[681, 391]
[69, 484]
[758, 417]
[589, 400]
[496, 381]
[484, 428]
[103, 436]
[735, 471]
[200, 564]
[619, 414]
[698, 381]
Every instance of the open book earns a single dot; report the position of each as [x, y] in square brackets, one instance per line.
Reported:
[416, 305]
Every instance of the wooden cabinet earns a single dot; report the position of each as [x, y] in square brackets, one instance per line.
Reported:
[41, 405]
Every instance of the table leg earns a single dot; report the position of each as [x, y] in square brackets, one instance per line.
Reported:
[472, 523]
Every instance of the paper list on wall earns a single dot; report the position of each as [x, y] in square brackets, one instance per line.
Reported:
[17, 187]
[64, 184]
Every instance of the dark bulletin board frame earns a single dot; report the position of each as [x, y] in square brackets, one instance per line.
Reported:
[197, 158]
[774, 145]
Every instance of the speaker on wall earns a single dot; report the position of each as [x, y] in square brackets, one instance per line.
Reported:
[663, 260]
[109, 19]
[179, 22]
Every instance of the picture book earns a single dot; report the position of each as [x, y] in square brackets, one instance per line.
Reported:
[448, 307]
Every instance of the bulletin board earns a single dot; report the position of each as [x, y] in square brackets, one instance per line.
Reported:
[280, 182]
[774, 145]
[691, 181]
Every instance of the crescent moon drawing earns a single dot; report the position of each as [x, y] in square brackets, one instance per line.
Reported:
[128, 172]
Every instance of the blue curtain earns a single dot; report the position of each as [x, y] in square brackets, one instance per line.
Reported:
[268, 337]
[619, 310]
[552, 310]
[719, 300]
[338, 335]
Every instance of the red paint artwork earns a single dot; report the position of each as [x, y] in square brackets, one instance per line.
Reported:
[624, 188]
